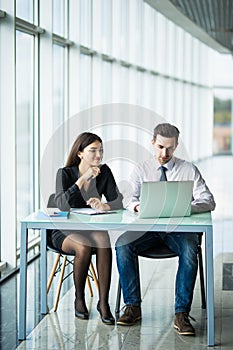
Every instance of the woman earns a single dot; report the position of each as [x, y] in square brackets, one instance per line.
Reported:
[81, 183]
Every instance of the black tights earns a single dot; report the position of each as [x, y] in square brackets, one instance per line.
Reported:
[81, 245]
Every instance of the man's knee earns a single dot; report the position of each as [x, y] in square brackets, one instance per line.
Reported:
[123, 247]
[121, 241]
[129, 238]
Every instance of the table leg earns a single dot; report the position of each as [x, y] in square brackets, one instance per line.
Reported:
[210, 286]
[23, 282]
[43, 256]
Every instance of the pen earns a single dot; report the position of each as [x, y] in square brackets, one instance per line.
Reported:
[54, 214]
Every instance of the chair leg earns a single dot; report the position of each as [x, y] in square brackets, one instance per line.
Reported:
[50, 280]
[202, 283]
[60, 283]
[118, 299]
[94, 275]
[62, 277]
[89, 286]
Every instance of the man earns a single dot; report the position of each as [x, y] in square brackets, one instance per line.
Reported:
[185, 245]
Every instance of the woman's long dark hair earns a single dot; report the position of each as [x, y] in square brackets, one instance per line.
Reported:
[82, 141]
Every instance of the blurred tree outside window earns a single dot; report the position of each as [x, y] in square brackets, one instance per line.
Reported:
[222, 126]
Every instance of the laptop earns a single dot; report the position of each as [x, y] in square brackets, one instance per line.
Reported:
[165, 199]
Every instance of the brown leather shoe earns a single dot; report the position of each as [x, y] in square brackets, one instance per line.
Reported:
[131, 315]
[182, 324]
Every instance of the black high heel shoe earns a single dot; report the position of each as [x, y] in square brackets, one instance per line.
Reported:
[106, 320]
[83, 315]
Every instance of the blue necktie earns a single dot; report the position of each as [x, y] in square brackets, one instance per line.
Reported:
[163, 176]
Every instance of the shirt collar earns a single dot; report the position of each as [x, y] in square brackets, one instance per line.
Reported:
[168, 165]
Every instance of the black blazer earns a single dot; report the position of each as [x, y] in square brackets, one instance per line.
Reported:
[68, 195]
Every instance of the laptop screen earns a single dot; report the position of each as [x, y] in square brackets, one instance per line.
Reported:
[166, 199]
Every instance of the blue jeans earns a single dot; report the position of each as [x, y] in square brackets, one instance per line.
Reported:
[130, 244]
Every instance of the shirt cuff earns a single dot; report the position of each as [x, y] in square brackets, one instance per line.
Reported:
[131, 206]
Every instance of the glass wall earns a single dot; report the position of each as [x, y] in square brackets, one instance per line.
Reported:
[60, 58]
[223, 104]
[24, 126]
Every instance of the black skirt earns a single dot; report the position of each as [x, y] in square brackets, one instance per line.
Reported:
[55, 238]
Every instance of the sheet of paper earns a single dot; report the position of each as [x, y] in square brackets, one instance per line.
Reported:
[91, 211]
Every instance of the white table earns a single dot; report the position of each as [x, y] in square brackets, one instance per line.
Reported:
[123, 221]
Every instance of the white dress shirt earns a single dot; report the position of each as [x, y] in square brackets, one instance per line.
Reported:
[177, 170]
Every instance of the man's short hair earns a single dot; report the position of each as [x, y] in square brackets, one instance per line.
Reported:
[166, 130]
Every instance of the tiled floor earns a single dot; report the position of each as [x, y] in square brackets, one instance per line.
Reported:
[61, 330]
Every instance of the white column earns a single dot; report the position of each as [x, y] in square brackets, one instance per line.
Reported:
[7, 135]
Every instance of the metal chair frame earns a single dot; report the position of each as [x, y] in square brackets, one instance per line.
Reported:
[60, 266]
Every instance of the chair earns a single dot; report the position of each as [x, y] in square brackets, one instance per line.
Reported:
[60, 263]
[161, 251]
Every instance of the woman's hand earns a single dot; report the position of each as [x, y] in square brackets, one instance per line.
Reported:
[90, 174]
[96, 203]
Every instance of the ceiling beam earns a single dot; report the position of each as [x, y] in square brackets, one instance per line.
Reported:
[172, 13]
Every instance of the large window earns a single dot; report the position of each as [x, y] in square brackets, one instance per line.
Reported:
[24, 125]
[58, 85]
[223, 110]
[85, 23]
[85, 71]
[59, 58]
[59, 11]
[223, 104]
[25, 10]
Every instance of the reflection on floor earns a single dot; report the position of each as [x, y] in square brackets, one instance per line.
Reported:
[61, 330]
